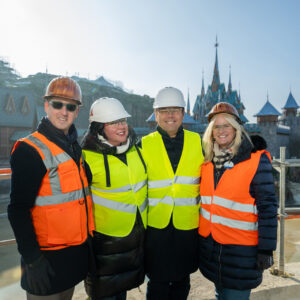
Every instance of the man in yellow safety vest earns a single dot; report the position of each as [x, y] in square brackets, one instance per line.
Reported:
[173, 157]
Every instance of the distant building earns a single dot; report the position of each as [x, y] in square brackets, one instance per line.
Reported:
[216, 92]
[17, 117]
[278, 129]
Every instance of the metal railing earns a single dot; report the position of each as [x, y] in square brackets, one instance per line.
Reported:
[6, 174]
[281, 165]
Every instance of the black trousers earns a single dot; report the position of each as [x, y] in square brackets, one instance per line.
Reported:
[174, 290]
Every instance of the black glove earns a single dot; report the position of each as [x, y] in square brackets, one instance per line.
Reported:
[264, 261]
[38, 276]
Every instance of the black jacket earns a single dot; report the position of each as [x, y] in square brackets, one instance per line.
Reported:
[171, 254]
[234, 266]
[70, 264]
[119, 260]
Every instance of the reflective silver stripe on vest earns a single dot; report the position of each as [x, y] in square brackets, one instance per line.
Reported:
[186, 180]
[206, 199]
[177, 201]
[59, 198]
[155, 184]
[235, 205]
[234, 223]
[205, 214]
[87, 190]
[187, 201]
[121, 189]
[127, 188]
[228, 222]
[51, 162]
[144, 205]
[118, 206]
[136, 187]
[165, 200]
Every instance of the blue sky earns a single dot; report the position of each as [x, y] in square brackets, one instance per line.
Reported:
[148, 45]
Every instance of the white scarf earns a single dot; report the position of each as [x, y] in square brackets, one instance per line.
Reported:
[120, 149]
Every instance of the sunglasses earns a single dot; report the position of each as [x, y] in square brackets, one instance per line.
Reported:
[59, 105]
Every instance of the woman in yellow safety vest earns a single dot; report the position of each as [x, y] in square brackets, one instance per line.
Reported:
[238, 218]
[119, 193]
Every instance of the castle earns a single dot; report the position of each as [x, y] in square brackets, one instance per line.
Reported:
[278, 129]
[21, 109]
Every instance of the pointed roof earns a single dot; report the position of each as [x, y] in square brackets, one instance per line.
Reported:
[202, 88]
[268, 110]
[291, 102]
[188, 108]
[216, 77]
[17, 107]
[229, 83]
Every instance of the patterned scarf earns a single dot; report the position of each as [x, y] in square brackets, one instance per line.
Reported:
[221, 156]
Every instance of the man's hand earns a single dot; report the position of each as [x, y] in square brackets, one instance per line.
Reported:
[38, 276]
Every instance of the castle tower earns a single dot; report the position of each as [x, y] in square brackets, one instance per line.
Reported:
[290, 107]
[268, 114]
[188, 109]
[229, 90]
[267, 119]
[216, 77]
[291, 119]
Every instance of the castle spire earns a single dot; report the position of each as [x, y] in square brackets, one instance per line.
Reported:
[202, 88]
[188, 103]
[229, 83]
[216, 77]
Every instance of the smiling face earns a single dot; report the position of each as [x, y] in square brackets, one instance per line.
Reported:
[169, 119]
[223, 132]
[116, 133]
[61, 118]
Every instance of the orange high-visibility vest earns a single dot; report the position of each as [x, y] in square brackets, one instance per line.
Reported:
[229, 212]
[61, 216]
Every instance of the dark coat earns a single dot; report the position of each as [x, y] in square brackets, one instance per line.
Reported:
[69, 264]
[119, 260]
[171, 254]
[234, 266]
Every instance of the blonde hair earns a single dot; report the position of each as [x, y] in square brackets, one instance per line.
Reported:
[208, 140]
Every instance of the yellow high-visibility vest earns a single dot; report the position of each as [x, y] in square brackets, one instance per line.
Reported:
[173, 193]
[115, 207]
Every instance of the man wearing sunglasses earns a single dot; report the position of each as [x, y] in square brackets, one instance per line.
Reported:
[173, 157]
[50, 209]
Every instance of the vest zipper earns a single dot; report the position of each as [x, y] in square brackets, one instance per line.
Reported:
[219, 258]
[85, 201]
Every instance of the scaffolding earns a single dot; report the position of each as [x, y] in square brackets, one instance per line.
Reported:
[281, 166]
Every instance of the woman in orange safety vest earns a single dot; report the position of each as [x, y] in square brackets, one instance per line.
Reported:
[238, 217]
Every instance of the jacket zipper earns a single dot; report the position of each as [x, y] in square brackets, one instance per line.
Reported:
[220, 281]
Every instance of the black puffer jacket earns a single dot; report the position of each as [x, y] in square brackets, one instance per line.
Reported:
[234, 266]
[119, 260]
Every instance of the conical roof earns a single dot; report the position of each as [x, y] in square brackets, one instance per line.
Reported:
[268, 110]
[291, 102]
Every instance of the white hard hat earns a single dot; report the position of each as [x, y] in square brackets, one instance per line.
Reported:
[106, 109]
[169, 96]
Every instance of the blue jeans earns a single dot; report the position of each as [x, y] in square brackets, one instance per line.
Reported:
[231, 294]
